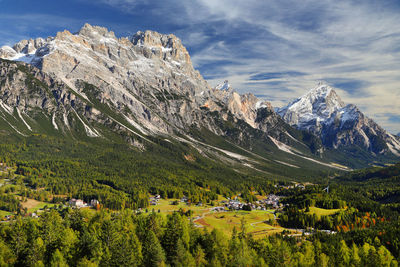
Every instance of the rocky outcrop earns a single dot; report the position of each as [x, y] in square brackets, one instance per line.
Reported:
[148, 77]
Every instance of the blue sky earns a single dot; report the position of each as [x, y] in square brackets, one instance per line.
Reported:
[277, 50]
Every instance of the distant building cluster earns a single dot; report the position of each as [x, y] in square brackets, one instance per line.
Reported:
[79, 203]
[154, 200]
[271, 200]
[294, 185]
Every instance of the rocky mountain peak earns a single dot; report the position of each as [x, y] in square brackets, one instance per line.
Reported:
[323, 99]
[95, 31]
[223, 86]
[322, 112]
[313, 108]
[162, 44]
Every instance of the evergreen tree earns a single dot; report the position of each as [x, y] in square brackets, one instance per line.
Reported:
[176, 229]
[7, 257]
[385, 257]
[183, 257]
[57, 259]
[199, 256]
[355, 257]
[153, 254]
[343, 254]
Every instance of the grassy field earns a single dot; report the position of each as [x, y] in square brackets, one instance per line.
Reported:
[255, 222]
[4, 213]
[322, 212]
[166, 206]
[34, 205]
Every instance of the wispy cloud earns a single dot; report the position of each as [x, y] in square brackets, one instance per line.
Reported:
[353, 45]
[276, 49]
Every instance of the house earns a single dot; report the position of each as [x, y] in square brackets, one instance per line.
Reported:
[78, 203]
[218, 209]
[94, 203]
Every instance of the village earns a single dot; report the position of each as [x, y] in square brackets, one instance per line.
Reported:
[270, 201]
[225, 213]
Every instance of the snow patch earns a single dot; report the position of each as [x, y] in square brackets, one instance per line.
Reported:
[136, 125]
[12, 126]
[26, 124]
[289, 149]
[53, 121]
[141, 136]
[89, 132]
[73, 88]
[260, 104]
[394, 145]
[223, 86]
[294, 139]
[282, 146]
[65, 117]
[26, 58]
[6, 107]
[287, 164]
[393, 150]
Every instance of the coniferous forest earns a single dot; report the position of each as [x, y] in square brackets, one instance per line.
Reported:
[353, 223]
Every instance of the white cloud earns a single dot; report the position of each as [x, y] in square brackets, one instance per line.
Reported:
[353, 41]
[125, 5]
[235, 39]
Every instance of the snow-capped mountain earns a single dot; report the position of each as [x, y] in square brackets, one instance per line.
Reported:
[92, 84]
[312, 110]
[322, 112]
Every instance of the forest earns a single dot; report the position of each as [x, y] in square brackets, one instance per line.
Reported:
[354, 223]
[73, 238]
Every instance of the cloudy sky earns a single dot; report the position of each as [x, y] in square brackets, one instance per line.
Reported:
[277, 50]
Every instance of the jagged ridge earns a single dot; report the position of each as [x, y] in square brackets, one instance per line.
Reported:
[143, 86]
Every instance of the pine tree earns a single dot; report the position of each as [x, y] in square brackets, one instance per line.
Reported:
[177, 229]
[343, 254]
[153, 254]
[385, 257]
[199, 256]
[183, 257]
[355, 257]
[7, 257]
[57, 260]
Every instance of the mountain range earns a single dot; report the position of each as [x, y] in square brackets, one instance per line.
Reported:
[143, 90]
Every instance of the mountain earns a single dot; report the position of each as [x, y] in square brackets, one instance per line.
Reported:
[142, 90]
[322, 112]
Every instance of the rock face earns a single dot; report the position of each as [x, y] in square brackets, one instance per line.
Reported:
[144, 86]
[147, 77]
[322, 112]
